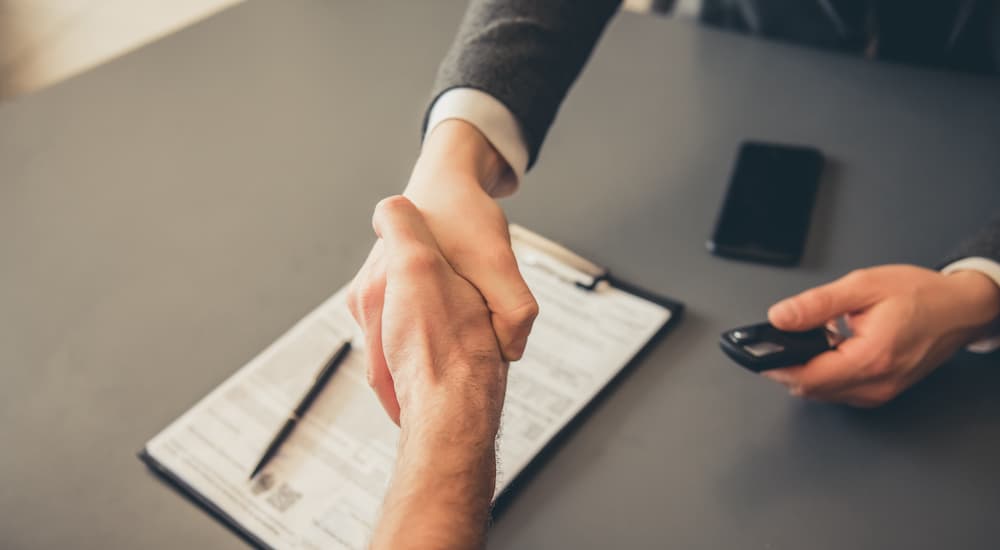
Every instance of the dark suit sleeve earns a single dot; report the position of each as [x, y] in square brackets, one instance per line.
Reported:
[985, 244]
[525, 53]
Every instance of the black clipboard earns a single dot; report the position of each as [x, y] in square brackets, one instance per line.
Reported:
[676, 309]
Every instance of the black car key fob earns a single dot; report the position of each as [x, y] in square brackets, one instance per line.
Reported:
[763, 347]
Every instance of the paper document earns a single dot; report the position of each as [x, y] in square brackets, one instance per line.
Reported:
[325, 487]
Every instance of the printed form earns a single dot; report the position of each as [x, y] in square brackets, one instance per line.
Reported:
[324, 489]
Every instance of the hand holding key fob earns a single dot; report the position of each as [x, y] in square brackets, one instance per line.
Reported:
[763, 347]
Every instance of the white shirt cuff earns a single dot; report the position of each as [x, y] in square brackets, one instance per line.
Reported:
[991, 269]
[496, 123]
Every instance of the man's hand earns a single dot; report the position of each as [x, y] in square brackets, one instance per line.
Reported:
[450, 186]
[906, 321]
[437, 338]
[449, 378]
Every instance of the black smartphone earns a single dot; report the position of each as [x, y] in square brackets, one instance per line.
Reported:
[765, 215]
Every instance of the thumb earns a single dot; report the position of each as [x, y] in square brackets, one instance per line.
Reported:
[512, 306]
[816, 306]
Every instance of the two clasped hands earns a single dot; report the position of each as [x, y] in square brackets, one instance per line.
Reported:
[444, 309]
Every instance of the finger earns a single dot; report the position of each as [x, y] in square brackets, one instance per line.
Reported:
[412, 258]
[366, 298]
[512, 306]
[816, 306]
[829, 373]
[356, 294]
[379, 377]
[402, 227]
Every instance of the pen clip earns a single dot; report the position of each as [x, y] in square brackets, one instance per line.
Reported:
[333, 361]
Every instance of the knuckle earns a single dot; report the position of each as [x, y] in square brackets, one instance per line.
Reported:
[392, 204]
[420, 261]
[526, 313]
[881, 364]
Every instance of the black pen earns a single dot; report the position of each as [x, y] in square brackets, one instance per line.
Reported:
[307, 400]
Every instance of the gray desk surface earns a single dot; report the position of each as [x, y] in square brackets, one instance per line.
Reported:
[164, 217]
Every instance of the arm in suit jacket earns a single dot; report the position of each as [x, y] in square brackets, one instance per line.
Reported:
[526, 54]
[981, 253]
[984, 244]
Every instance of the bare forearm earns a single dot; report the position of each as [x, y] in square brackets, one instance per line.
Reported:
[437, 502]
[445, 472]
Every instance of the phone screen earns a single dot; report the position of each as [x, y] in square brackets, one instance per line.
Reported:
[765, 215]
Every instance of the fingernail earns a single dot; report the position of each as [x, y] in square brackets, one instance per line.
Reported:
[782, 313]
[795, 391]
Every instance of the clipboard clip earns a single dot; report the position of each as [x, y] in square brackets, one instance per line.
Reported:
[557, 260]
[594, 281]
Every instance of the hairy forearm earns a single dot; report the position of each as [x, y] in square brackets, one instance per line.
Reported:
[438, 500]
[445, 474]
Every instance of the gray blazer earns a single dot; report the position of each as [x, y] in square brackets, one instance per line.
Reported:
[527, 53]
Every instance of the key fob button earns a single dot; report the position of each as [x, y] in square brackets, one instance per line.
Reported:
[739, 336]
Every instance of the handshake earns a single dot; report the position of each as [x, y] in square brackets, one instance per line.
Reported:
[441, 287]
[444, 309]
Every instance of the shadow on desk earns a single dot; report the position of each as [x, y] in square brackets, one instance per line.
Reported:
[946, 424]
[964, 390]
[552, 447]
[824, 215]
[960, 394]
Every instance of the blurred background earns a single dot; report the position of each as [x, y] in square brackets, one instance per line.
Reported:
[45, 41]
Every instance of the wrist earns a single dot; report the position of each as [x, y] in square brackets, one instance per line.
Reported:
[466, 416]
[453, 412]
[448, 453]
[459, 149]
